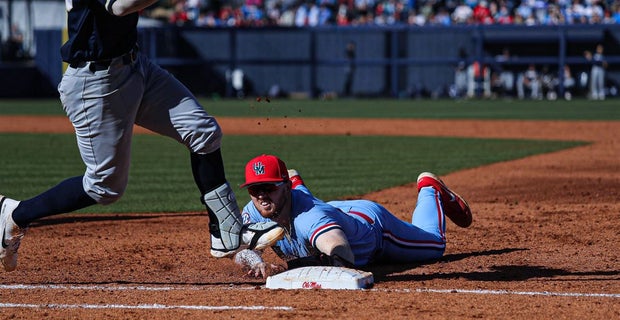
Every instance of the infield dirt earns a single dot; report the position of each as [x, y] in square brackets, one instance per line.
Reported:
[546, 230]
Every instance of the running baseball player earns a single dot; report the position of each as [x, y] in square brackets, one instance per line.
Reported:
[349, 233]
[107, 88]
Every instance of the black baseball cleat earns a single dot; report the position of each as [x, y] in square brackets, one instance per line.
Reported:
[454, 206]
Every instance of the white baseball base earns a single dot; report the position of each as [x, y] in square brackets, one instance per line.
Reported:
[321, 278]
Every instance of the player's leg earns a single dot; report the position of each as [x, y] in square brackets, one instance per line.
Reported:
[103, 125]
[593, 82]
[400, 241]
[452, 204]
[224, 219]
[170, 109]
[422, 240]
[600, 83]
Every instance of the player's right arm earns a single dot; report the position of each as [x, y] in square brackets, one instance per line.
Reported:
[334, 244]
[331, 245]
[125, 7]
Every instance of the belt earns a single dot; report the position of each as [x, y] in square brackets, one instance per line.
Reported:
[126, 59]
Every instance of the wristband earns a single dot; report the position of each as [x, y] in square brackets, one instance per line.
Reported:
[108, 6]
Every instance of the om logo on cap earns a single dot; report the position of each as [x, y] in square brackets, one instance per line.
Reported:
[259, 168]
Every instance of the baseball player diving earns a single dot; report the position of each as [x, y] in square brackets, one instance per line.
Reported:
[107, 88]
[351, 233]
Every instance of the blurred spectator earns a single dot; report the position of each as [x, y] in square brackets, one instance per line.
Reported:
[179, 15]
[208, 18]
[575, 13]
[459, 89]
[539, 8]
[193, 9]
[478, 79]
[426, 9]
[597, 73]
[313, 15]
[551, 83]
[13, 47]
[416, 19]
[615, 17]
[342, 17]
[503, 15]
[529, 82]
[364, 7]
[554, 16]
[463, 14]
[301, 15]
[287, 18]
[504, 82]
[548, 83]
[349, 71]
[482, 13]
[442, 17]
[252, 15]
[569, 83]
[325, 15]
[607, 17]
[231, 17]
[525, 11]
[162, 11]
[387, 12]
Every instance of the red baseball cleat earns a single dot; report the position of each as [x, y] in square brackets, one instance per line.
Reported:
[454, 206]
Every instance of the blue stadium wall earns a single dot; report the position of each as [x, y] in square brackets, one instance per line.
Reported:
[390, 61]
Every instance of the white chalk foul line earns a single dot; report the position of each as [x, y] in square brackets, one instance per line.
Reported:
[122, 306]
[103, 287]
[172, 288]
[140, 306]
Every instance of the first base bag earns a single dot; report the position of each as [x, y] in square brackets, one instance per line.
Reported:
[321, 278]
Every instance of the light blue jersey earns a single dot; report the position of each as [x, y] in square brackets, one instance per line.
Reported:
[311, 218]
[374, 234]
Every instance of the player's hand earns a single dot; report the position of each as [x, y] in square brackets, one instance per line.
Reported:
[264, 270]
[258, 270]
[251, 261]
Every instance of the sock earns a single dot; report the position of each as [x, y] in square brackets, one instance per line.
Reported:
[67, 196]
[208, 170]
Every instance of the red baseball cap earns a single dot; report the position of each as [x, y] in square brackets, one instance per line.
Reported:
[265, 169]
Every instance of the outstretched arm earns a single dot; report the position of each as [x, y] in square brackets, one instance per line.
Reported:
[334, 251]
[334, 243]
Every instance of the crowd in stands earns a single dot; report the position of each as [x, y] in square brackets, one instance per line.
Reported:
[300, 13]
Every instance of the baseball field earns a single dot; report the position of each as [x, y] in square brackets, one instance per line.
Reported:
[542, 179]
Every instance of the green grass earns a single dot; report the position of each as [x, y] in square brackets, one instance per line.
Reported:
[579, 109]
[332, 166]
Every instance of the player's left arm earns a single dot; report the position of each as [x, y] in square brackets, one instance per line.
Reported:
[125, 7]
